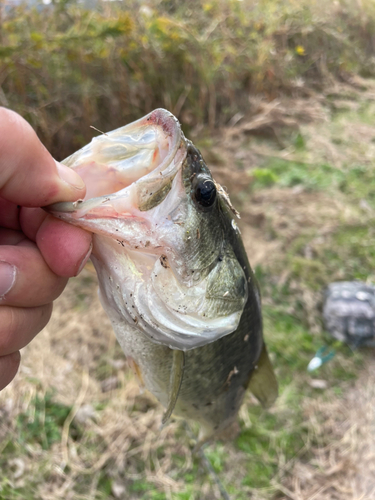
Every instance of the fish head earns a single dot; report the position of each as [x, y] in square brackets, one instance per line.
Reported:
[162, 233]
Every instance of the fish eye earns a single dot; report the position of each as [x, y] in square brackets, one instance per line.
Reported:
[205, 192]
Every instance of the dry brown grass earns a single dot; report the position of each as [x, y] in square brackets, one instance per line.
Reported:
[345, 469]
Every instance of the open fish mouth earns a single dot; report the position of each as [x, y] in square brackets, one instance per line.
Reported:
[160, 249]
[129, 168]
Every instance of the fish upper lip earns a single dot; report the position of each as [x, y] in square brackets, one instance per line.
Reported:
[144, 185]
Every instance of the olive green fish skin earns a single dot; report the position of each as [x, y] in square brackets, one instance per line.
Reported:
[217, 374]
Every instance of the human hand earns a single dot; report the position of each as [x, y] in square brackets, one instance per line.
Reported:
[37, 252]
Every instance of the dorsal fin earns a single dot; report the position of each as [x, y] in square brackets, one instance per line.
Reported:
[263, 383]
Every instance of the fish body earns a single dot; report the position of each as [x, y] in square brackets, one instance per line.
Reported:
[174, 276]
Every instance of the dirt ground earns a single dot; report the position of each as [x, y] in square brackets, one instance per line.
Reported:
[77, 355]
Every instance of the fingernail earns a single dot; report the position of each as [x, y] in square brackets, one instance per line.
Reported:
[7, 278]
[69, 176]
[85, 259]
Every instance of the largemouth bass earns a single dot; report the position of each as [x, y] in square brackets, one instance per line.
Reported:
[174, 277]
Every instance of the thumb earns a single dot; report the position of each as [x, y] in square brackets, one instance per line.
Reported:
[29, 176]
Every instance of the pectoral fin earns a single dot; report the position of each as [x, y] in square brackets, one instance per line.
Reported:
[177, 373]
[263, 383]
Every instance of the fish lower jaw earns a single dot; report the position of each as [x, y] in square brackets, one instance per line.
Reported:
[144, 292]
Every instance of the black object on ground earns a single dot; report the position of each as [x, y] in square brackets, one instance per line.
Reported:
[349, 312]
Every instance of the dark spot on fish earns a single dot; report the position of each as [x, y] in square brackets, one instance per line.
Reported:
[220, 258]
[133, 307]
[147, 244]
[135, 320]
[208, 404]
[164, 261]
[198, 234]
[196, 406]
[131, 295]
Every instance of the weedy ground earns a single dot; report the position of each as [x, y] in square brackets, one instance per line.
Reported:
[65, 68]
[74, 424]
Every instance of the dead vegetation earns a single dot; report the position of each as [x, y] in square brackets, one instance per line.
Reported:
[344, 469]
[68, 68]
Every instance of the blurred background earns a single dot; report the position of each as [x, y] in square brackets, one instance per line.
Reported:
[279, 95]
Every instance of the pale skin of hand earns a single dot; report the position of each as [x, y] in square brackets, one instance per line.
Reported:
[37, 252]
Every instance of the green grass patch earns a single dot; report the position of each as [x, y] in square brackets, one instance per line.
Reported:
[217, 456]
[356, 181]
[9, 492]
[351, 253]
[359, 183]
[189, 494]
[270, 437]
[286, 173]
[42, 422]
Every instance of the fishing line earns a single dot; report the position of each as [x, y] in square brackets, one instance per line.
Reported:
[207, 464]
